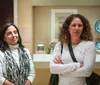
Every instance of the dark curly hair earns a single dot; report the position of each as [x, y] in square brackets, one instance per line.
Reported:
[86, 34]
[3, 45]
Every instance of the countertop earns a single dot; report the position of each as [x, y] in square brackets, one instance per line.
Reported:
[42, 60]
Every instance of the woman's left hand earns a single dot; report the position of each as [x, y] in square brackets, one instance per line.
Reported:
[28, 82]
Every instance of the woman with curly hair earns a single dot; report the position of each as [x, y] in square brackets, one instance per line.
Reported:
[75, 31]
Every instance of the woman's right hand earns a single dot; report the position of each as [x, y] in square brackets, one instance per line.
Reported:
[81, 64]
[57, 60]
[8, 83]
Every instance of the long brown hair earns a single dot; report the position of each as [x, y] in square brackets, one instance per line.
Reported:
[86, 34]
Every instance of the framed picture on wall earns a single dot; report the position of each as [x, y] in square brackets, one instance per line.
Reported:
[58, 17]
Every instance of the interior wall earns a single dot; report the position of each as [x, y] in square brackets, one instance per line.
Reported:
[42, 22]
[42, 77]
[25, 23]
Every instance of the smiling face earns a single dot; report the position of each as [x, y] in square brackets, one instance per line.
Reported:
[11, 35]
[76, 28]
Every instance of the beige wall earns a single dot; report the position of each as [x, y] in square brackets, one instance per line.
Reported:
[25, 22]
[42, 26]
[42, 22]
[42, 77]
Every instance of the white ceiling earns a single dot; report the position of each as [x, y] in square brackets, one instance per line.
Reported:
[66, 2]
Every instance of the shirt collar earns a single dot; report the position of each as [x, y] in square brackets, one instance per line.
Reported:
[12, 47]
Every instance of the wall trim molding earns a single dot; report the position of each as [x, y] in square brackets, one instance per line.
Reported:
[15, 12]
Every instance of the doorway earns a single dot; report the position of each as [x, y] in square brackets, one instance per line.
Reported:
[6, 12]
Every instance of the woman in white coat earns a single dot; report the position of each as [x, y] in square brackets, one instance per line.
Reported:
[76, 29]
